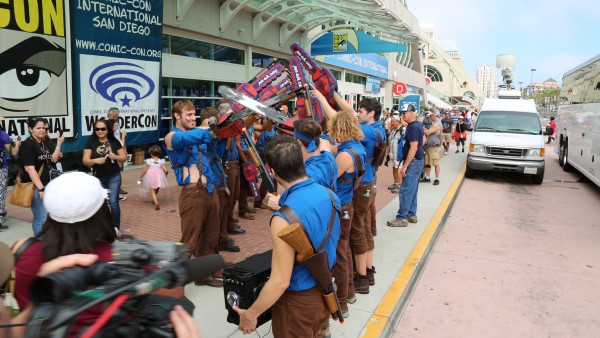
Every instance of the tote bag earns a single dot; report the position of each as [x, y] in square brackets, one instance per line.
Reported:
[22, 194]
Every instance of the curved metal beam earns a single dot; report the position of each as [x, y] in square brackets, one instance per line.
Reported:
[226, 14]
[259, 24]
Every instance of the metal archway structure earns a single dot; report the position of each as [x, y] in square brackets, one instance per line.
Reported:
[316, 17]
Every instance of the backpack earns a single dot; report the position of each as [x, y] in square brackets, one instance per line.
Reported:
[381, 149]
[400, 155]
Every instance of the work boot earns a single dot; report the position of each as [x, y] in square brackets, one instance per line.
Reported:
[371, 275]
[361, 285]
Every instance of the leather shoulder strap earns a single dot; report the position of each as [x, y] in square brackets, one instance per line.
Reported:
[21, 245]
[292, 217]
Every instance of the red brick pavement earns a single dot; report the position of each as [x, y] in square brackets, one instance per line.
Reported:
[139, 218]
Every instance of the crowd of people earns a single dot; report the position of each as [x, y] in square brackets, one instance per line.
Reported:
[328, 175]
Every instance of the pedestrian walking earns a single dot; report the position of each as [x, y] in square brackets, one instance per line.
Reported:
[154, 175]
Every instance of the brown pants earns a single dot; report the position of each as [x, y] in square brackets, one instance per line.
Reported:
[199, 213]
[232, 170]
[373, 213]
[361, 237]
[223, 211]
[243, 196]
[342, 269]
[300, 314]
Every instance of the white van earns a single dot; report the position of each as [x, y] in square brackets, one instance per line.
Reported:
[507, 137]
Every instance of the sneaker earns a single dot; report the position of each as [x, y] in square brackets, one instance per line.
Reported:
[345, 313]
[412, 219]
[463, 150]
[3, 227]
[122, 192]
[436, 182]
[398, 223]
[425, 180]
[122, 198]
[446, 152]
[456, 152]
[352, 300]
[396, 190]
[392, 186]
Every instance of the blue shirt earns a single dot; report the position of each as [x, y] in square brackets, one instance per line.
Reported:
[215, 163]
[414, 132]
[323, 169]
[369, 143]
[311, 203]
[232, 154]
[181, 142]
[262, 139]
[4, 139]
[250, 132]
[345, 190]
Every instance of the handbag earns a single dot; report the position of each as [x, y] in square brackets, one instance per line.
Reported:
[463, 135]
[22, 194]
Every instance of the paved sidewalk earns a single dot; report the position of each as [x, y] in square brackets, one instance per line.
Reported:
[393, 246]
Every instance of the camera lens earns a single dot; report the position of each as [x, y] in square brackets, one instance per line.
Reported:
[59, 286]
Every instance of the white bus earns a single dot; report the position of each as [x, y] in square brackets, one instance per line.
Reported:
[578, 121]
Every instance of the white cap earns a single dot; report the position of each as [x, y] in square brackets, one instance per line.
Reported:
[73, 197]
[396, 117]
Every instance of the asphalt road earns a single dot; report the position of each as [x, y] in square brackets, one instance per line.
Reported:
[513, 260]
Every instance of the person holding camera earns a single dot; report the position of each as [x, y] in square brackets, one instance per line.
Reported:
[182, 321]
[298, 309]
[79, 221]
[103, 152]
[13, 149]
[37, 158]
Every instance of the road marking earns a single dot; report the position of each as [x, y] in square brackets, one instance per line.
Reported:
[380, 321]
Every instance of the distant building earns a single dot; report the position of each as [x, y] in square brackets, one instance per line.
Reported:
[486, 78]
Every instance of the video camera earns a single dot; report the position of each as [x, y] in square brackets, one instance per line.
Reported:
[139, 268]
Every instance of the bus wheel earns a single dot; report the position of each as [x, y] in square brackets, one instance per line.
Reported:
[563, 155]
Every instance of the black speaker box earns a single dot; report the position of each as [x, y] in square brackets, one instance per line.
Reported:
[242, 283]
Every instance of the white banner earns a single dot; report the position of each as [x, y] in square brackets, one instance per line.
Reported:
[126, 84]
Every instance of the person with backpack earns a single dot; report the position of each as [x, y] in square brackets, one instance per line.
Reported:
[395, 139]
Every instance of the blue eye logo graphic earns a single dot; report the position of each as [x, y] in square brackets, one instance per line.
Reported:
[121, 82]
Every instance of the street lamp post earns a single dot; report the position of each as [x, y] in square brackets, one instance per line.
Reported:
[531, 81]
[521, 87]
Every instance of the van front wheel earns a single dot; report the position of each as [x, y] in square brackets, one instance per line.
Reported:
[469, 172]
[538, 179]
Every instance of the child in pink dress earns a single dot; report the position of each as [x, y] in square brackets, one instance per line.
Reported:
[154, 175]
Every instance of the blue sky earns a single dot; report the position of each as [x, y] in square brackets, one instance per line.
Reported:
[551, 36]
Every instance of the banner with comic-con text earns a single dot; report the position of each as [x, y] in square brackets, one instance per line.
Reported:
[117, 56]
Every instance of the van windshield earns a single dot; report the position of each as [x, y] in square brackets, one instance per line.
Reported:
[508, 122]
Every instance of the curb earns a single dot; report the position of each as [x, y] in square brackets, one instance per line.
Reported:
[387, 315]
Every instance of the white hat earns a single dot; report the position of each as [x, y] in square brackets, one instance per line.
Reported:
[73, 197]
[396, 117]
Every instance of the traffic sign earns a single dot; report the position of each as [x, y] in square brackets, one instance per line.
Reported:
[399, 88]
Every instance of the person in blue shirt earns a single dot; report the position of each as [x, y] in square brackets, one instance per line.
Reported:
[298, 309]
[344, 130]
[411, 170]
[211, 150]
[265, 134]
[368, 114]
[198, 201]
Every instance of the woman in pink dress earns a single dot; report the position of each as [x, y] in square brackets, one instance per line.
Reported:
[154, 175]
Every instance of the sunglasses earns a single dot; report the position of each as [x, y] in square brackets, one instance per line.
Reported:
[100, 129]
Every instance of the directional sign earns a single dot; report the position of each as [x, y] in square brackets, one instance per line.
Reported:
[399, 88]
